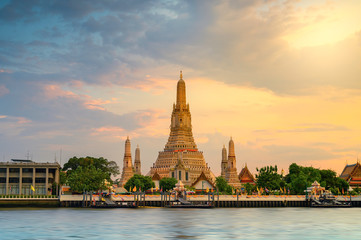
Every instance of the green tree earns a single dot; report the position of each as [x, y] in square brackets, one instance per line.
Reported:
[87, 178]
[299, 178]
[223, 186]
[109, 167]
[88, 173]
[341, 184]
[140, 182]
[299, 183]
[267, 177]
[167, 183]
[62, 178]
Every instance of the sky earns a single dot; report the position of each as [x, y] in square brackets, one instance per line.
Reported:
[283, 78]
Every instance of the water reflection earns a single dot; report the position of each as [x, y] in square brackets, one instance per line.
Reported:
[162, 223]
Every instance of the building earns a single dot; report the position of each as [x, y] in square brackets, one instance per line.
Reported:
[352, 174]
[181, 158]
[231, 172]
[156, 178]
[128, 170]
[20, 177]
[202, 183]
[245, 176]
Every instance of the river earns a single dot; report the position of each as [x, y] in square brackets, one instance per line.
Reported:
[163, 223]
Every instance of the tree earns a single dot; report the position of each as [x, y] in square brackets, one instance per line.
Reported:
[268, 177]
[167, 183]
[87, 178]
[299, 183]
[108, 167]
[341, 184]
[299, 178]
[62, 178]
[223, 186]
[99, 163]
[140, 182]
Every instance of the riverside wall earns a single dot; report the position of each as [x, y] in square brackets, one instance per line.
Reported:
[142, 200]
[218, 201]
[29, 202]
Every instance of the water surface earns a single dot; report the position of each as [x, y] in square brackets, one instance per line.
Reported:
[163, 223]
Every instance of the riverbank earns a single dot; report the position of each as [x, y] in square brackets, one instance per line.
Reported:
[29, 202]
[142, 200]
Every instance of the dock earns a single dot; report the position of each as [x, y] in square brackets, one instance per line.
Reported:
[145, 200]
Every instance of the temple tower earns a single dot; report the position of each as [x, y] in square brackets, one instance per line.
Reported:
[231, 173]
[137, 164]
[127, 172]
[181, 141]
[224, 162]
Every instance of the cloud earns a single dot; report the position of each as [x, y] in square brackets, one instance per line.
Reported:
[269, 73]
[315, 128]
[3, 90]
[119, 43]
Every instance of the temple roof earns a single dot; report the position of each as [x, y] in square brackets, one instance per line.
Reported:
[156, 177]
[202, 177]
[349, 170]
[245, 171]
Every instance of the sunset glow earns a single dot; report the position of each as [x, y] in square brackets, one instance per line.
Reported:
[283, 78]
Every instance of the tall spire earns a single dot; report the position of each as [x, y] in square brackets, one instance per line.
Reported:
[181, 147]
[231, 148]
[127, 152]
[231, 174]
[224, 162]
[181, 92]
[224, 154]
[127, 172]
[137, 164]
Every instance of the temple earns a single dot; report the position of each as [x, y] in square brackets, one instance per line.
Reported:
[231, 171]
[224, 162]
[181, 158]
[352, 174]
[245, 176]
[137, 164]
[128, 169]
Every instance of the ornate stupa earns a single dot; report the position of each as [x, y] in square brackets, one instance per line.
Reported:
[137, 164]
[231, 173]
[128, 171]
[181, 158]
[224, 163]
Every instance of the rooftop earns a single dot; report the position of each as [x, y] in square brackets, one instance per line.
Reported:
[22, 160]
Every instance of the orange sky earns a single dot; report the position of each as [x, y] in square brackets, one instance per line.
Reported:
[281, 77]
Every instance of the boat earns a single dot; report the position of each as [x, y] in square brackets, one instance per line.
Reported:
[115, 205]
[181, 199]
[181, 203]
[108, 203]
[328, 200]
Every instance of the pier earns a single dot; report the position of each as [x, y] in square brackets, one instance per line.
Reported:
[163, 200]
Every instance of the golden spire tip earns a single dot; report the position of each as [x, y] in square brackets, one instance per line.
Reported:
[181, 75]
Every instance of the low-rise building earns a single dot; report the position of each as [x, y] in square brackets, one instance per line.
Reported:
[22, 177]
